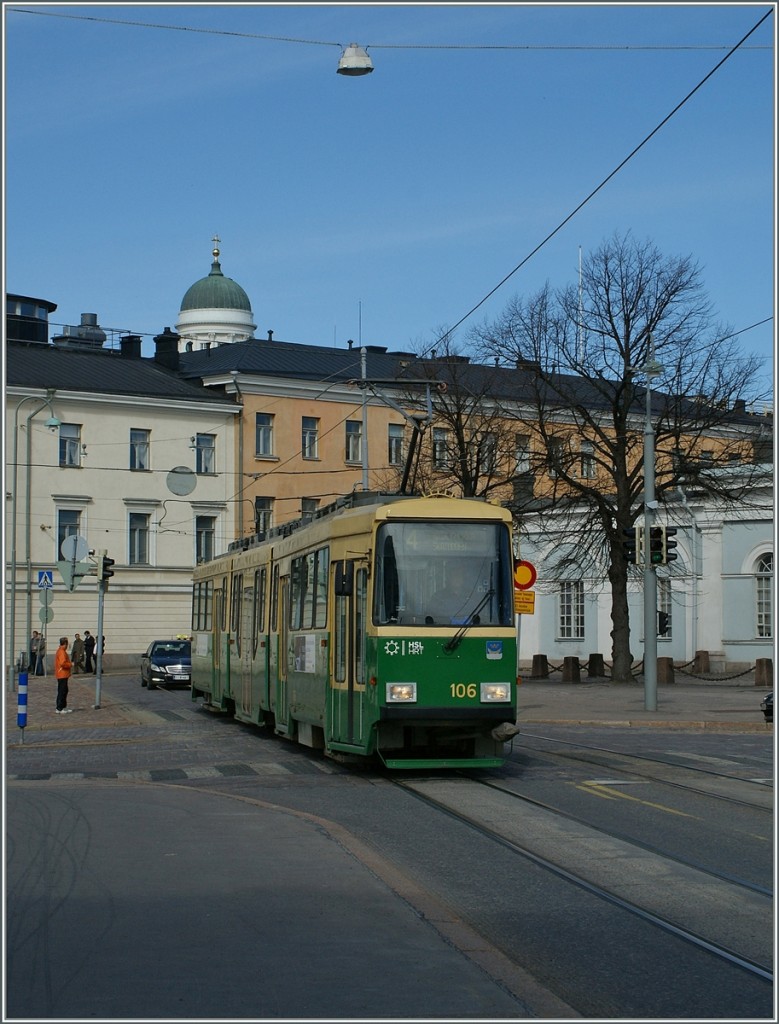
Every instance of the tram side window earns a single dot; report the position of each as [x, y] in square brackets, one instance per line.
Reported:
[223, 605]
[202, 606]
[274, 600]
[360, 623]
[235, 603]
[320, 587]
[309, 577]
[258, 626]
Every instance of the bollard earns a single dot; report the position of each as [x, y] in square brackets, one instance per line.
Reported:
[764, 672]
[701, 663]
[540, 669]
[665, 670]
[571, 672]
[595, 667]
[21, 705]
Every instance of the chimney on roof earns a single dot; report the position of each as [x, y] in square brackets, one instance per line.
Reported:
[130, 346]
[166, 349]
[740, 405]
[270, 335]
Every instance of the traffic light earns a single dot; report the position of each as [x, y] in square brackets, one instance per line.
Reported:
[633, 544]
[662, 623]
[669, 555]
[656, 545]
[105, 568]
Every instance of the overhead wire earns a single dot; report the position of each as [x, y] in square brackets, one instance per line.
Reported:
[605, 181]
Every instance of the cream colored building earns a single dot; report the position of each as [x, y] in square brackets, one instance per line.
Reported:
[121, 452]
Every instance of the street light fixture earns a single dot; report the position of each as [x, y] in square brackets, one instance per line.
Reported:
[52, 423]
[354, 61]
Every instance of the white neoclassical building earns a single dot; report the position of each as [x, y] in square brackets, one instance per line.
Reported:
[718, 595]
[119, 450]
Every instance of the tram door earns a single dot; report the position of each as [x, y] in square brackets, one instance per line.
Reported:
[282, 705]
[348, 671]
[243, 692]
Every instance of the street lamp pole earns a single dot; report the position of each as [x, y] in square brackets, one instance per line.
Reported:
[52, 423]
[652, 369]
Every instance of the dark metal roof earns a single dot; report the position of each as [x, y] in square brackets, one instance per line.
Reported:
[101, 371]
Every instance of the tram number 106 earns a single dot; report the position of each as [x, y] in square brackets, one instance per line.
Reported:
[462, 690]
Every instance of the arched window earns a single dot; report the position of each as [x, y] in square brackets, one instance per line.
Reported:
[764, 601]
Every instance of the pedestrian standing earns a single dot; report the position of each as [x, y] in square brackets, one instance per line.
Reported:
[77, 655]
[62, 667]
[89, 651]
[37, 653]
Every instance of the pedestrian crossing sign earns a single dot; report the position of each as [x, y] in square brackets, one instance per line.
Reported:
[46, 579]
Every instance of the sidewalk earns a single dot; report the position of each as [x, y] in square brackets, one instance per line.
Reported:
[41, 697]
[720, 706]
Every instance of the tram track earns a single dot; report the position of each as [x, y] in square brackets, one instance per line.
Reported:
[623, 837]
[744, 792]
[718, 916]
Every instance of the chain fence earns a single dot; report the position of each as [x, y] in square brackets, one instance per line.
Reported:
[638, 668]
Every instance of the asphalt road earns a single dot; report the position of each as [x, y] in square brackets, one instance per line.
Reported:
[163, 862]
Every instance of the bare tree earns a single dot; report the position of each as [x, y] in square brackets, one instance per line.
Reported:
[583, 357]
[469, 445]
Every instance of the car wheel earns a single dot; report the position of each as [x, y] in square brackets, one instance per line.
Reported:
[143, 681]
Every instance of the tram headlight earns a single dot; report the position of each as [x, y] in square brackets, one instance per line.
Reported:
[401, 693]
[495, 693]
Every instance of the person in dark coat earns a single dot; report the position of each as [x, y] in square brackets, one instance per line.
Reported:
[89, 651]
[37, 653]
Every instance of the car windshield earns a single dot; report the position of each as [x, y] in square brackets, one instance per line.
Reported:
[173, 647]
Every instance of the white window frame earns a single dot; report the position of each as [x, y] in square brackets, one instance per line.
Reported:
[263, 435]
[764, 596]
[570, 619]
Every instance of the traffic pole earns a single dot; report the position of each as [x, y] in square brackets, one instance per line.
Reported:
[21, 706]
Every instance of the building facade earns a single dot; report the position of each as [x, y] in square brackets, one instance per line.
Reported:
[122, 452]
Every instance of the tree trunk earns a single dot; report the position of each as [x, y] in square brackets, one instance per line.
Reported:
[622, 658]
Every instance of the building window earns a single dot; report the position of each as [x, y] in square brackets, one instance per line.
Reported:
[488, 454]
[263, 427]
[139, 538]
[68, 525]
[522, 453]
[308, 507]
[263, 514]
[70, 444]
[664, 619]
[572, 611]
[440, 448]
[139, 449]
[353, 441]
[555, 455]
[587, 457]
[205, 454]
[205, 531]
[395, 444]
[764, 589]
[310, 440]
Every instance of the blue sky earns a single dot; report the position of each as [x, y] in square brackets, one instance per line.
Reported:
[381, 208]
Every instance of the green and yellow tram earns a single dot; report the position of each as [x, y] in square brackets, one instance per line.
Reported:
[383, 627]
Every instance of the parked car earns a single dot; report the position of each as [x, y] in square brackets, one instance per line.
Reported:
[166, 662]
[767, 706]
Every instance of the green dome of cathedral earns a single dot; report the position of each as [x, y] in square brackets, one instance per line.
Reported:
[216, 292]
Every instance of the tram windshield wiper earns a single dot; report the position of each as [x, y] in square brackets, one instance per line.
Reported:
[454, 642]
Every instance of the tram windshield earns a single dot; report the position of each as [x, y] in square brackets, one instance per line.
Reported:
[443, 574]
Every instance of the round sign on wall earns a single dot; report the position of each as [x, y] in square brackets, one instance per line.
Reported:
[525, 575]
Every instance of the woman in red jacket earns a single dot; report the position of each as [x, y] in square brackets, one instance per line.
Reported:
[62, 668]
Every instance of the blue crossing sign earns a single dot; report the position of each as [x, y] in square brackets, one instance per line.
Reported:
[45, 579]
